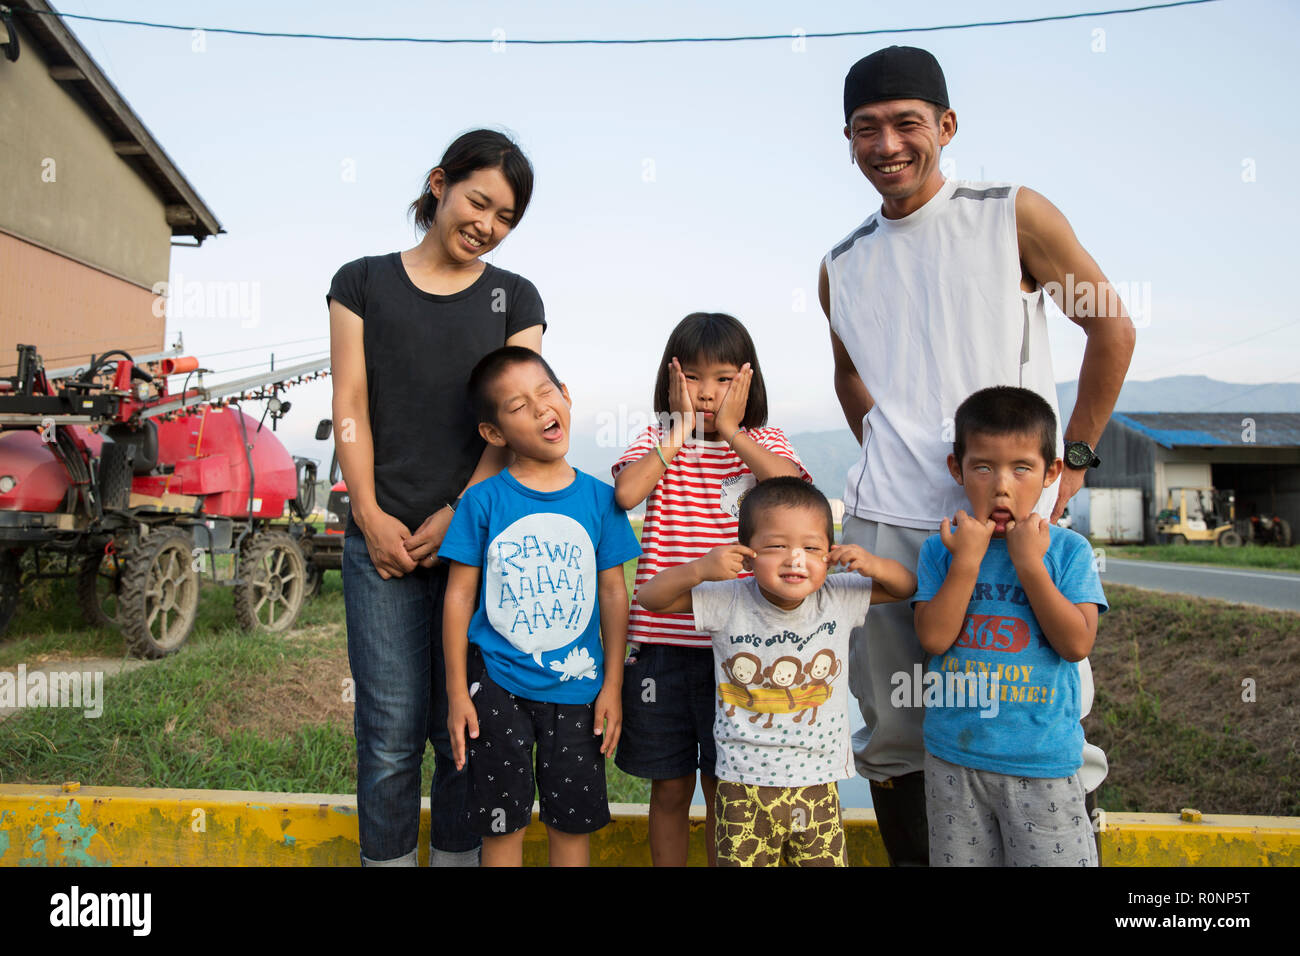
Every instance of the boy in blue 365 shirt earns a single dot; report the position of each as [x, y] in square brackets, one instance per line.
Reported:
[536, 581]
[1006, 604]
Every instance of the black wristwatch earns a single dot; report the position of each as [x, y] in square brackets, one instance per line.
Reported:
[1079, 454]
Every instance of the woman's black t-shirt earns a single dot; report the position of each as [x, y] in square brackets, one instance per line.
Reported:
[420, 349]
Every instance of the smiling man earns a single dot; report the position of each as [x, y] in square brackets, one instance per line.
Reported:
[938, 294]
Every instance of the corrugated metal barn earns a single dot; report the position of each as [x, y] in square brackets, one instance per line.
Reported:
[1256, 455]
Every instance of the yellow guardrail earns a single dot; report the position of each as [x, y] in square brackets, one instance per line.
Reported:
[71, 825]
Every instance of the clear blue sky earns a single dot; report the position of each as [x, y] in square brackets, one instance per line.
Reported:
[1141, 136]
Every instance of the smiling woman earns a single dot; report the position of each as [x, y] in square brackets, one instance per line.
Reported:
[406, 328]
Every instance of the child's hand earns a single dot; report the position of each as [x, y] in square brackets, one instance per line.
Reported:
[853, 557]
[609, 717]
[971, 538]
[1028, 541]
[731, 410]
[725, 562]
[423, 545]
[461, 718]
[679, 404]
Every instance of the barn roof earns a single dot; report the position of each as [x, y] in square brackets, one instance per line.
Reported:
[82, 78]
[1204, 429]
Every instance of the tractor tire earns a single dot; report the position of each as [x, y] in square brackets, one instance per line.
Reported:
[1282, 533]
[273, 583]
[314, 578]
[1177, 540]
[114, 477]
[1229, 539]
[159, 595]
[11, 581]
[99, 589]
[315, 573]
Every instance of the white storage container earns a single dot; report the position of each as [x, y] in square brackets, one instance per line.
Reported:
[1115, 515]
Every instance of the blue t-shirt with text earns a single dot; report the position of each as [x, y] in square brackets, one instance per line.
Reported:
[1024, 719]
[537, 623]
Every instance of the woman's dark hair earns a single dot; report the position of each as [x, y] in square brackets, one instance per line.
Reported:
[713, 337]
[472, 151]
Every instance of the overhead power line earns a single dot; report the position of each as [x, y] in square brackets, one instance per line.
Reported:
[318, 354]
[1217, 350]
[624, 41]
[263, 347]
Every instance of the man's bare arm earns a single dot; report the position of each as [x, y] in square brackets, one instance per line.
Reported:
[1052, 254]
[854, 398]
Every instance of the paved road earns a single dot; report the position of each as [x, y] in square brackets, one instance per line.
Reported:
[1279, 590]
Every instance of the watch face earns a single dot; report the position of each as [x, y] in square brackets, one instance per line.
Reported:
[1078, 454]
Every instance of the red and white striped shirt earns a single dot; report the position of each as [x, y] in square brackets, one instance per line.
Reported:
[693, 508]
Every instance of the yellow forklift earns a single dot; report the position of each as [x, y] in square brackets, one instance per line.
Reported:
[1201, 515]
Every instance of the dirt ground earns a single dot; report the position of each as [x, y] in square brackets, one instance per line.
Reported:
[1198, 705]
[302, 691]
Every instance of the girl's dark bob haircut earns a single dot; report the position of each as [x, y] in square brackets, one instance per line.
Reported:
[472, 151]
[713, 337]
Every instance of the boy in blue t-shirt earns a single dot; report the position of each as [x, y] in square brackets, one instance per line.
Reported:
[1006, 604]
[536, 581]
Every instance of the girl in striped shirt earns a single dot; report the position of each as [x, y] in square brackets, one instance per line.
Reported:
[692, 468]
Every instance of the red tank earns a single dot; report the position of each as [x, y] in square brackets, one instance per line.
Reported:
[40, 480]
[206, 449]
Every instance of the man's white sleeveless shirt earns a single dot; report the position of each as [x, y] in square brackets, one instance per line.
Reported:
[930, 310]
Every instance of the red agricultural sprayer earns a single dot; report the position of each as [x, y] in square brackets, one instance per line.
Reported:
[138, 491]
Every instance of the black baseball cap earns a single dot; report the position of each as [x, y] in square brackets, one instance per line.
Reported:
[895, 73]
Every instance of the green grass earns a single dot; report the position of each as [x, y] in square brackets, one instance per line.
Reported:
[1248, 556]
[179, 722]
[155, 730]
[221, 713]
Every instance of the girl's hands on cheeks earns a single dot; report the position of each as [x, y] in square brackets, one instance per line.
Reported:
[385, 540]
[731, 411]
[724, 563]
[853, 557]
[971, 538]
[1028, 541]
[679, 404]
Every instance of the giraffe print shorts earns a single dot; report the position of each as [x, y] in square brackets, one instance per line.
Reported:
[774, 826]
[982, 818]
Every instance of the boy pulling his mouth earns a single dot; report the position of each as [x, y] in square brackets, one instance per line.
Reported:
[1006, 592]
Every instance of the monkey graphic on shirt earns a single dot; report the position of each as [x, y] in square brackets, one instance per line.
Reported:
[741, 670]
[782, 674]
[822, 669]
[786, 686]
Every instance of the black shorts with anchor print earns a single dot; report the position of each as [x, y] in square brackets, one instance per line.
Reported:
[570, 769]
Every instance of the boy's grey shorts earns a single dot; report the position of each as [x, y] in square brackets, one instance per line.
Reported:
[981, 818]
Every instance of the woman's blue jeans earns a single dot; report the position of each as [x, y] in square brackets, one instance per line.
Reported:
[395, 649]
